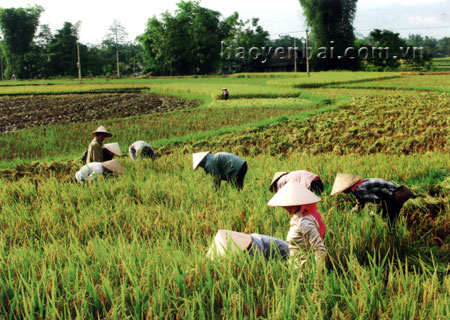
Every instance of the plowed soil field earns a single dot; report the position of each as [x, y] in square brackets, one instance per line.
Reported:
[17, 112]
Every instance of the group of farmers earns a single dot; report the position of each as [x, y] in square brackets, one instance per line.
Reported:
[99, 157]
[297, 192]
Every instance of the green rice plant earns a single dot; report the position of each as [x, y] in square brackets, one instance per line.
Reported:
[134, 246]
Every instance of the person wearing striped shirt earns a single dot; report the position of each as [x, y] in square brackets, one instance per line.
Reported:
[389, 195]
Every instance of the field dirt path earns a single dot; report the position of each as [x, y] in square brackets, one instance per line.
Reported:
[17, 112]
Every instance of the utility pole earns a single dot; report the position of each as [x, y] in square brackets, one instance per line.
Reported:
[78, 63]
[295, 56]
[117, 62]
[307, 53]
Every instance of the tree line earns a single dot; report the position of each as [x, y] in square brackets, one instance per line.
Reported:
[191, 41]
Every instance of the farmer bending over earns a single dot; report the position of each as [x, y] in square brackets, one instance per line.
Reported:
[222, 166]
[141, 149]
[92, 170]
[227, 241]
[390, 196]
[307, 179]
[225, 94]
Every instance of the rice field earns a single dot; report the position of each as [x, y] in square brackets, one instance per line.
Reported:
[409, 82]
[441, 64]
[134, 246]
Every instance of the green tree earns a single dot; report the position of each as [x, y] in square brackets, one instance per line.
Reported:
[331, 23]
[385, 49]
[18, 26]
[419, 51]
[63, 51]
[130, 57]
[117, 35]
[237, 53]
[37, 59]
[443, 47]
[286, 41]
[187, 42]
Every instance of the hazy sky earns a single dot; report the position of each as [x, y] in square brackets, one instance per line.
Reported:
[426, 17]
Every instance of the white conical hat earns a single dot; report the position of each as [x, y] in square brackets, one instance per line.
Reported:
[275, 179]
[293, 194]
[344, 181]
[101, 129]
[113, 165]
[114, 148]
[229, 241]
[198, 157]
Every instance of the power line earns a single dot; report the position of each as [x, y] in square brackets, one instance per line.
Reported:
[361, 30]
[420, 28]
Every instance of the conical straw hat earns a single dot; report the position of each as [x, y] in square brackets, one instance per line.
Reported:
[293, 194]
[198, 157]
[229, 241]
[344, 181]
[275, 179]
[113, 165]
[101, 129]
[114, 148]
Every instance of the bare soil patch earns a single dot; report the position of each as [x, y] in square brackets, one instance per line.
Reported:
[18, 112]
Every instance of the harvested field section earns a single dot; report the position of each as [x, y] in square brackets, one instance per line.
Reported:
[391, 125]
[411, 82]
[17, 112]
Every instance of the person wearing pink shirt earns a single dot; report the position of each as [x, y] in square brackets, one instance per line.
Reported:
[305, 178]
[307, 228]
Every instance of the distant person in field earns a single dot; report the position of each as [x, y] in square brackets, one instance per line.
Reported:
[141, 149]
[229, 242]
[387, 194]
[307, 179]
[92, 170]
[225, 94]
[306, 227]
[95, 152]
[109, 150]
[222, 166]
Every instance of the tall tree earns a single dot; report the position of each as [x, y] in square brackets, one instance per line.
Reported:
[243, 35]
[37, 59]
[18, 26]
[63, 51]
[331, 23]
[385, 49]
[187, 42]
[117, 35]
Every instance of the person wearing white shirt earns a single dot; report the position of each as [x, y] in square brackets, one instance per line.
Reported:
[141, 149]
[92, 170]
